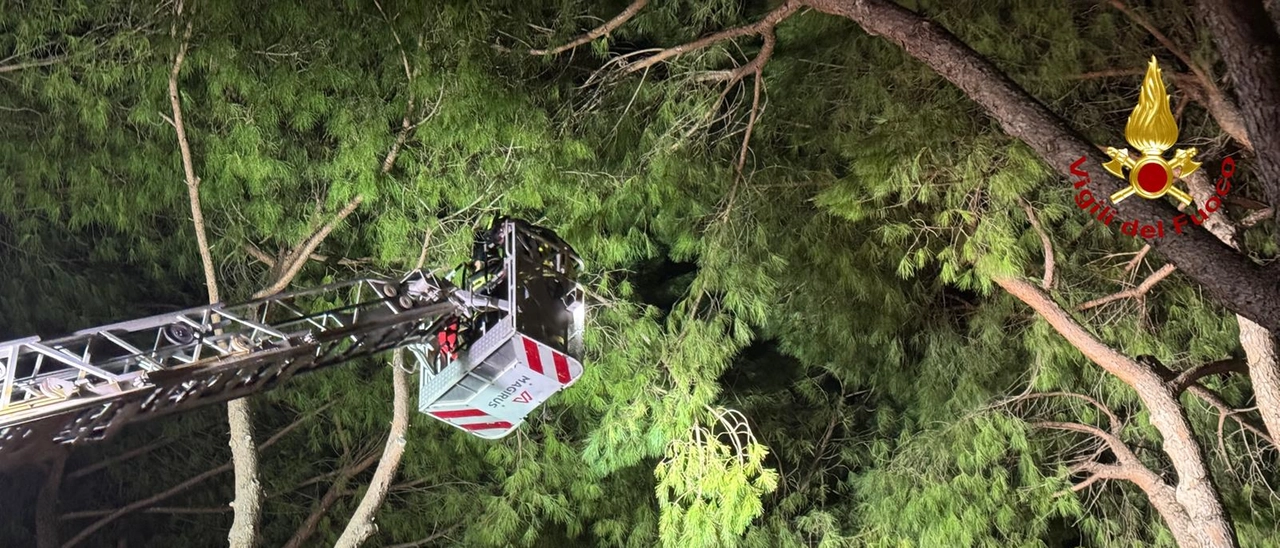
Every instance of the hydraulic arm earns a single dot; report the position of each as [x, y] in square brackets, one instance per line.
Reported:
[492, 344]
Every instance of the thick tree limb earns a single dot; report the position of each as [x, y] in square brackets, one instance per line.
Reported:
[1250, 47]
[1134, 292]
[597, 32]
[1258, 342]
[244, 455]
[361, 526]
[1232, 278]
[1046, 283]
[1209, 525]
[191, 482]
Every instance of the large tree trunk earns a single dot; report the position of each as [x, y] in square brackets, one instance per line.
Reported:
[244, 456]
[1250, 45]
[1234, 280]
[1208, 524]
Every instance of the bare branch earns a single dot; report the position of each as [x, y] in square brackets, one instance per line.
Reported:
[175, 510]
[1117, 446]
[1045, 242]
[1135, 292]
[1225, 112]
[597, 32]
[764, 25]
[1114, 420]
[1252, 219]
[1164, 41]
[32, 64]
[1225, 410]
[428, 539]
[262, 256]
[1137, 259]
[298, 256]
[106, 463]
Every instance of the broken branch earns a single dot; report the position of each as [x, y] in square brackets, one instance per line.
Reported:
[1135, 292]
[761, 27]
[597, 32]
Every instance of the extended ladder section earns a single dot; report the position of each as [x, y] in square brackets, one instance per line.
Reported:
[87, 385]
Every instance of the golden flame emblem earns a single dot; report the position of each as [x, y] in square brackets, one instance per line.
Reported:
[1151, 130]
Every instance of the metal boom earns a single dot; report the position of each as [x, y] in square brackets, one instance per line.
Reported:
[86, 386]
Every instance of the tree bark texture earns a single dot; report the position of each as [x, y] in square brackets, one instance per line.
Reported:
[1208, 524]
[1250, 47]
[1230, 277]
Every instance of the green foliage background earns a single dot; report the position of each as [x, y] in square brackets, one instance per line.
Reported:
[838, 295]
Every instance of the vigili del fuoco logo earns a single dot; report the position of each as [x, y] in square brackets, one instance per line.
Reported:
[1152, 131]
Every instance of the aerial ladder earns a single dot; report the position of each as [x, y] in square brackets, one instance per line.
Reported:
[492, 341]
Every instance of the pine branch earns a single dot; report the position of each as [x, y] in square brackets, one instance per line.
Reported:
[1212, 525]
[597, 32]
[172, 510]
[428, 539]
[47, 500]
[1114, 421]
[1132, 293]
[1132, 266]
[1231, 277]
[1117, 446]
[106, 463]
[244, 455]
[762, 27]
[1249, 44]
[1251, 220]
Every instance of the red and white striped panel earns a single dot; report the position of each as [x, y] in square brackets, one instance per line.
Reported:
[541, 359]
[476, 421]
